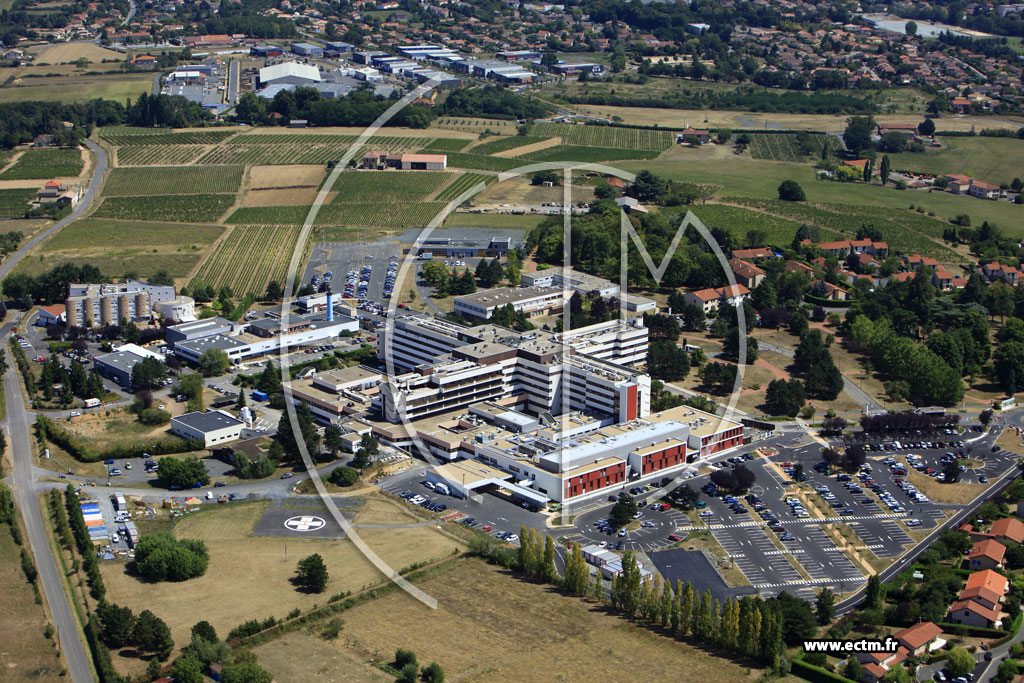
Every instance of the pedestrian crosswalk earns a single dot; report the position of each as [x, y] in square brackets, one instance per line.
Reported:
[812, 582]
[813, 520]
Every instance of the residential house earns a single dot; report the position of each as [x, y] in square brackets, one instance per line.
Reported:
[961, 105]
[1008, 528]
[45, 140]
[987, 554]
[959, 184]
[747, 274]
[702, 135]
[919, 638]
[708, 299]
[749, 254]
[987, 588]
[973, 613]
[983, 190]
[917, 262]
[797, 267]
[829, 291]
[997, 271]
[144, 61]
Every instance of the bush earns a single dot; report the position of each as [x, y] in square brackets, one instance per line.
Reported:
[344, 476]
[404, 658]
[154, 416]
[790, 191]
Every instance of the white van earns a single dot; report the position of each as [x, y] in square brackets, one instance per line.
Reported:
[442, 488]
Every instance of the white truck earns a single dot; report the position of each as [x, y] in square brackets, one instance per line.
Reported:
[92, 402]
[442, 488]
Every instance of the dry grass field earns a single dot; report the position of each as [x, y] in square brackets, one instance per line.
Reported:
[58, 53]
[489, 626]
[103, 431]
[959, 493]
[25, 653]
[224, 595]
[281, 197]
[518, 191]
[269, 177]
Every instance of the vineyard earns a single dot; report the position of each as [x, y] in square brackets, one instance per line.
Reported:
[45, 163]
[606, 136]
[586, 155]
[499, 126]
[14, 203]
[787, 147]
[161, 180]
[248, 258]
[301, 149]
[446, 144]
[108, 131]
[196, 208]
[158, 155]
[464, 182]
[504, 144]
[905, 231]
[482, 163]
[378, 215]
[388, 186]
[206, 137]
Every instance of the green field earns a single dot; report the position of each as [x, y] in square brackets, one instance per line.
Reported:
[388, 186]
[276, 148]
[249, 258]
[79, 88]
[197, 137]
[587, 155]
[162, 180]
[738, 221]
[110, 131]
[493, 220]
[45, 163]
[993, 160]
[158, 155]
[481, 162]
[503, 144]
[380, 215]
[14, 203]
[464, 182]
[606, 136]
[197, 208]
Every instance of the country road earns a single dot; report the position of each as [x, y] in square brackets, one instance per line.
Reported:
[18, 425]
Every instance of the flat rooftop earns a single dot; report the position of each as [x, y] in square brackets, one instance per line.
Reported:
[208, 421]
[505, 295]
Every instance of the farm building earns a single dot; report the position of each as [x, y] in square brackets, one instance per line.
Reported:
[291, 73]
[212, 427]
[380, 159]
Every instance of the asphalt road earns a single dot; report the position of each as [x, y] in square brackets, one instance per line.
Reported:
[83, 205]
[18, 425]
[234, 77]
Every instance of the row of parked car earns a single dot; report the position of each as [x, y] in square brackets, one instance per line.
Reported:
[423, 501]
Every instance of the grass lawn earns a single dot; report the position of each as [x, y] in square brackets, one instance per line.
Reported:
[237, 559]
[994, 160]
[26, 653]
[546, 637]
[79, 88]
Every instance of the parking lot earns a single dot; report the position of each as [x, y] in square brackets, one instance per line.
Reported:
[340, 259]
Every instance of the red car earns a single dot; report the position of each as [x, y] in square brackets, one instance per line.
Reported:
[787, 464]
[673, 537]
[485, 528]
[665, 506]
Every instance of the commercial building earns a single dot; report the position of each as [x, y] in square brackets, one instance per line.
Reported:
[334, 395]
[270, 334]
[307, 50]
[573, 280]
[117, 366]
[109, 304]
[531, 301]
[289, 73]
[212, 428]
[181, 309]
[447, 247]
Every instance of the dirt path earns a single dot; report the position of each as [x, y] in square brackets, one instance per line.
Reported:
[528, 149]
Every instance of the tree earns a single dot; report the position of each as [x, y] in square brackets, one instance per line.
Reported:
[623, 510]
[825, 606]
[408, 674]
[117, 624]
[857, 136]
[960, 661]
[274, 291]
[187, 669]
[307, 430]
[182, 472]
[311, 574]
[368, 447]
[853, 669]
[344, 476]
[203, 629]
[790, 191]
[162, 557]
[926, 128]
[148, 373]
[874, 593]
[150, 634]
[886, 166]
[435, 274]
[247, 672]
[951, 472]
[433, 673]
[910, 28]
[214, 362]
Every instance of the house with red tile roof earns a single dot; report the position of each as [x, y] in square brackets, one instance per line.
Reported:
[52, 315]
[919, 638]
[797, 267]
[753, 254]
[986, 587]
[987, 554]
[1009, 528]
[996, 271]
[983, 190]
[830, 291]
[747, 274]
[708, 299]
[973, 613]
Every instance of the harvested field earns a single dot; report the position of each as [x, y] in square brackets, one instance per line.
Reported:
[292, 175]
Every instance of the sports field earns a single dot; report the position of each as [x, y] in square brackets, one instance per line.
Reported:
[520, 632]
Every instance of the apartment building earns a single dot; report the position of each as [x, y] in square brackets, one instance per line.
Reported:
[573, 280]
